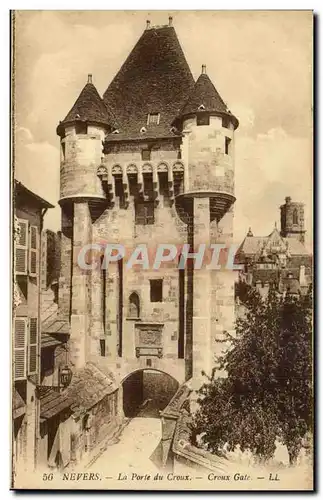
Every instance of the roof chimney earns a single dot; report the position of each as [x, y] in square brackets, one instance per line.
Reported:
[203, 69]
[147, 24]
[170, 21]
[288, 199]
[89, 78]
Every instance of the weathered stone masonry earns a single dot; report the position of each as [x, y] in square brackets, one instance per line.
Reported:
[152, 162]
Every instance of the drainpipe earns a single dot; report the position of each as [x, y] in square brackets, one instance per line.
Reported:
[38, 379]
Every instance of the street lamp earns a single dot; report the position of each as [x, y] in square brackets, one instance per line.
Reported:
[65, 376]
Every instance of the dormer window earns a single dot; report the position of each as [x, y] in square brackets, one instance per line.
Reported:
[116, 131]
[202, 119]
[143, 130]
[80, 128]
[225, 122]
[201, 108]
[153, 118]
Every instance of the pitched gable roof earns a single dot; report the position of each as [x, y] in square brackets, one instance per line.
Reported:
[205, 94]
[155, 78]
[89, 385]
[275, 241]
[24, 195]
[252, 246]
[89, 106]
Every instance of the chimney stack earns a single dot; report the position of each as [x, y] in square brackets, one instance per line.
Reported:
[302, 278]
[89, 78]
[147, 24]
[203, 69]
[170, 21]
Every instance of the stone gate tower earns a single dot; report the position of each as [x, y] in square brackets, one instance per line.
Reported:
[152, 162]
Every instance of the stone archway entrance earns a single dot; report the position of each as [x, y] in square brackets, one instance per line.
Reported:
[146, 392]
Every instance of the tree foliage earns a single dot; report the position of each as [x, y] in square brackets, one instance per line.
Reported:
[267, 393]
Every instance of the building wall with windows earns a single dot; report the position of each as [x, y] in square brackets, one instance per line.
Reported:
[28, 211]
[281, 259]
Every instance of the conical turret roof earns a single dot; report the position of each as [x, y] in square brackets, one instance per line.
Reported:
[89, 107]
[205, 97]
[155, 78]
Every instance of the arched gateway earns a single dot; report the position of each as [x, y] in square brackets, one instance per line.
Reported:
[146, 392]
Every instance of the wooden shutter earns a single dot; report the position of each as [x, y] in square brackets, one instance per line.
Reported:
[20, 343]
[21, 248]
[32, 346]
[33, 251]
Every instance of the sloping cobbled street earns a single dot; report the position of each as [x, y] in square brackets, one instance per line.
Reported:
[132, 451]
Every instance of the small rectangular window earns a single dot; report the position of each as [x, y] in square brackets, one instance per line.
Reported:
[156, 290]
[227, 146]
[145, 154]
[62, 151]
[202, 119]
[225, 122]
[144, 213]
[80, 128]
[21, 248]
[102, 347]
[148, 362]
[153, 119]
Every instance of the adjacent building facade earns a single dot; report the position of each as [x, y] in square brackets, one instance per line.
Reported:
[281, 258]
[152, 162]
[29, 211]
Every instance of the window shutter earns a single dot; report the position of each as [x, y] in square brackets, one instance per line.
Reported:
[32, 347]
[20, 342]
[33, 251]
[21, 248]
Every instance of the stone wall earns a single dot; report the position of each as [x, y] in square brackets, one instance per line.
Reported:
[209, 167]
[80, 160]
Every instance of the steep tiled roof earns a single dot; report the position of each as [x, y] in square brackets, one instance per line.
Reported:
[89, 385]
[18, 402]
[23, 194]
[173, 408]
[53, 402]
[252, 245]
[296, 247]
[181, 446]
[89, 106]
[205, 94]
[56, 324]
[155, 78]
[51, 322]
[48, 340]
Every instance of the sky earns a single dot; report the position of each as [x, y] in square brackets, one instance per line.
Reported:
[259, 61]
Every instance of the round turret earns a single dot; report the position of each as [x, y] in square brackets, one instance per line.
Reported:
[82, 133]
[208, 140]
